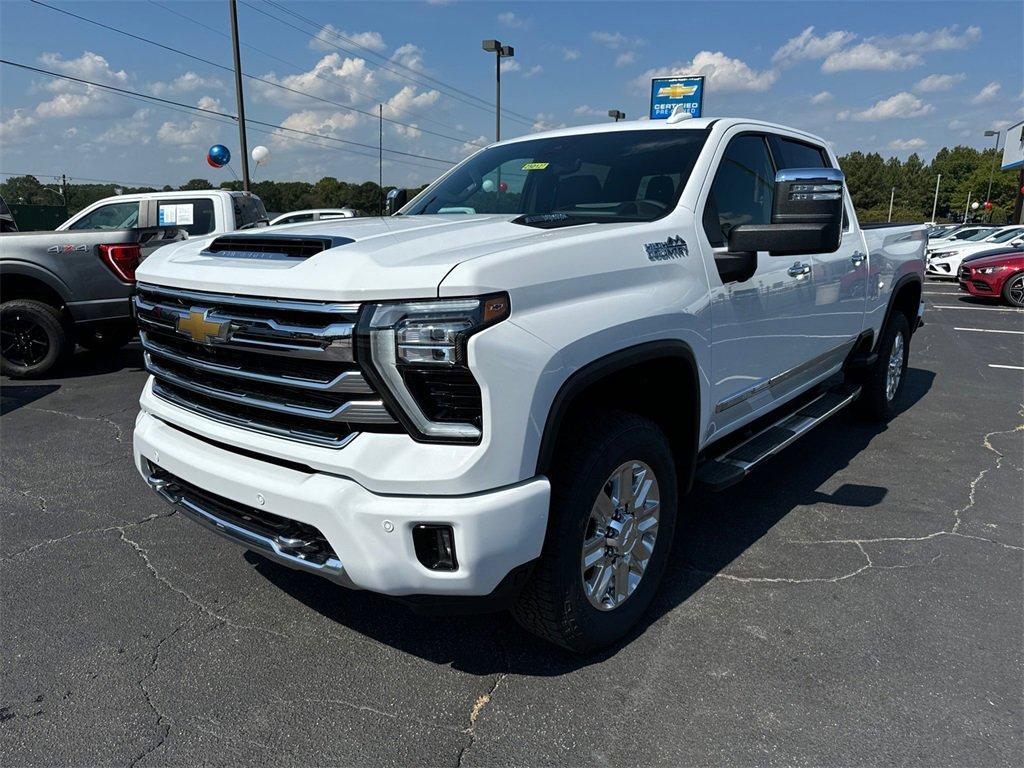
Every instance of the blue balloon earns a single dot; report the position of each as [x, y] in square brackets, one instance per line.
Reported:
[219, 155]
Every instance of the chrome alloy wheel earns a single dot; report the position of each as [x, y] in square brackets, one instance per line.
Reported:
[620, 535]
[895, 370]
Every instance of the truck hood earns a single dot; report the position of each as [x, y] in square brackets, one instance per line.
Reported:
[381, 258]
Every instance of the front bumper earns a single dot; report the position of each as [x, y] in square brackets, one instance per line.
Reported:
[978, 284]
[370, 534]
[940, 269]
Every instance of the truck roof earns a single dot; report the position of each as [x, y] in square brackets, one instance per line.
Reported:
[693, 124]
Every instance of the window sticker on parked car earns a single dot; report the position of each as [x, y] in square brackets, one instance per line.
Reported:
[182, 214]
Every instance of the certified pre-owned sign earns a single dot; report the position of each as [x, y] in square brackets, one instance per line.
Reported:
[667, 93]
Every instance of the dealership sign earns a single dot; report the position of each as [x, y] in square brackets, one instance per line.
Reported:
[667, 93]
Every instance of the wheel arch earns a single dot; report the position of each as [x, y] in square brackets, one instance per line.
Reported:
[27, 281]
[906, 298]
[657, 379]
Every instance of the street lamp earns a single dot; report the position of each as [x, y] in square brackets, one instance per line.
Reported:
[992, 170]
[500, 52]
[616, 114]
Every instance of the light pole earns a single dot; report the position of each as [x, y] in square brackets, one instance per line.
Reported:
[616, 114]
[238, 95]
[892, 196]
[992, 170]
[935, 200]
[500, 52]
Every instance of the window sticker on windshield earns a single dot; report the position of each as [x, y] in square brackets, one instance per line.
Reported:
[185, 214]
[535, 166]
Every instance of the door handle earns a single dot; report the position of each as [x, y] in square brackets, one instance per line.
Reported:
[858, 258]
[799, 270]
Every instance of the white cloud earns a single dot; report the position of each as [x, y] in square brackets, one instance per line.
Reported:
[509, 19]
[533, 71]
[616, 40]
[907, 145]
[868, 56]
[807, 46]
[957, 124]
[182, 134]
[945, 39]
[75, 100]
[329, 35]
[127, 132]
[323, 81]
[208, 102]
[625, 59]
[409, 99]
[510, 65]
[588, 111]
[988, 93]
[937, 83]
[310, 121]
[723, 73]
[17, 126]
[903, 105]
[822, 97]
[88, 66]
[545, 122]
[186, 83]
[570, 54]
[409, 55]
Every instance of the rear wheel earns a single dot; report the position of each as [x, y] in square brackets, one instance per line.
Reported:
[1013, 290]
[613, 511]
[32, 338]
[883, 382]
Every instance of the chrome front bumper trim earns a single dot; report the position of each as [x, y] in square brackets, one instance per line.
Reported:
[331, 569]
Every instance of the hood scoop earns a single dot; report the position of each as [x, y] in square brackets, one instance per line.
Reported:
[272, 247]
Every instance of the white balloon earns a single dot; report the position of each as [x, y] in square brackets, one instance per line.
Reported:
[488, 185]
[260, 154]
[975, 206]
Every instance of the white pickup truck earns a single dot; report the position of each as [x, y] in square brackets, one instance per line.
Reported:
[196, 212]
[498, 396]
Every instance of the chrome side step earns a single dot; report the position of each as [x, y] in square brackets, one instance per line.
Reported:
[719, 473]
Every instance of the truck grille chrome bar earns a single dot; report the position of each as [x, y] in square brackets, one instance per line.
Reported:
[289, 542]
[284, 368]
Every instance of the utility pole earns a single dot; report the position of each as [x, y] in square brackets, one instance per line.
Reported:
[892, 196]
[992, 170]
[935, 201]
[380, 158]
[968, 205]
[238, 94]
[500, 52]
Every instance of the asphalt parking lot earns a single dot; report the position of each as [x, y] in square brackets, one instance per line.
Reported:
[856, 602]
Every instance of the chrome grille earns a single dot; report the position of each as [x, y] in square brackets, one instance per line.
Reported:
[282, 367]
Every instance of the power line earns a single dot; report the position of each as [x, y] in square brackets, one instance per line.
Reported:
[217, 113]
[226, 68]
[336, 82]
[372, 52]
[476, 102]
[38, 174]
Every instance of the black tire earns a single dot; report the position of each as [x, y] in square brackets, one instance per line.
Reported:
[553, 604]
[876, 401]
[106, 338]
[1013, 290]
[33, 339]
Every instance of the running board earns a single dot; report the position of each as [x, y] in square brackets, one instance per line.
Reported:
[728, 469]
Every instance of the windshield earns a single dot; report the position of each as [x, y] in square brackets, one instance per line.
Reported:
[602, 177]
[979, 235]
[1002, 237]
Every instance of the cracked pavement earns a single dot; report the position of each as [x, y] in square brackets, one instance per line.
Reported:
[856, 602]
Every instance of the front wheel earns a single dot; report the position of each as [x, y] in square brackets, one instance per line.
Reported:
[1013, 290]
[883, 382]
[613, 511]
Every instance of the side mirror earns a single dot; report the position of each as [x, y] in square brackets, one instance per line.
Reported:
[396, 200]
[807, 216]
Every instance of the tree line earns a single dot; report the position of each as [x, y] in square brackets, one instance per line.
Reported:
[870, 178]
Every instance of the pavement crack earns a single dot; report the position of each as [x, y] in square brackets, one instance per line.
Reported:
[986, 443]
[163, 721]
[474, 714]
[118, 432]
[83, 532]
[31, 496]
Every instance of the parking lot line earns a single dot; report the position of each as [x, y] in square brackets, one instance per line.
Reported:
[987, 330]
[983, 309]
[1007, 367]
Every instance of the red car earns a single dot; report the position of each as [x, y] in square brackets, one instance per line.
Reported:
[995, 275]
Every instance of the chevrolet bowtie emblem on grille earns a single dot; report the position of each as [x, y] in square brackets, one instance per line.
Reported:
[196, 325]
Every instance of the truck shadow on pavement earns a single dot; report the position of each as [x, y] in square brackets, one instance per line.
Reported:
[713, 530]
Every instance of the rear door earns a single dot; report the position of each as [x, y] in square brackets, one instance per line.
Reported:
[760, 331]
[840, 279]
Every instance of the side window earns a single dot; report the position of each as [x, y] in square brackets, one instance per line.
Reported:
[795, 154]
[249, 211]
[111, 216]
[194, 216]
[742, 190]
[296, 219]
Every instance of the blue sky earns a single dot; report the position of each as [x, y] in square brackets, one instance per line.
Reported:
[888, 77]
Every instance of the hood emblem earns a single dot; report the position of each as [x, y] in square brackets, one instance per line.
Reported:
[197, 325]
[673, 248]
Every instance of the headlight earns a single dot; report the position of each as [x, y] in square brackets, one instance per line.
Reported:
[989, 270]
[418, 351]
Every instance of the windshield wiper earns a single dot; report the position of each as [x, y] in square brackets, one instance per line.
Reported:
[557, 220]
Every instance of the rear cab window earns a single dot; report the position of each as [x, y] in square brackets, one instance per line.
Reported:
[249, 211]
[194, 215]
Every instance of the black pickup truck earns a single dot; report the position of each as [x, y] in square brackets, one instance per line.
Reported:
[59, 288]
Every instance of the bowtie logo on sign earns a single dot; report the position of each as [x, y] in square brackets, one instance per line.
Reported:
[673, 248]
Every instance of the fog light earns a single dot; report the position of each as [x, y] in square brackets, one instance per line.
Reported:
[435, 546]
